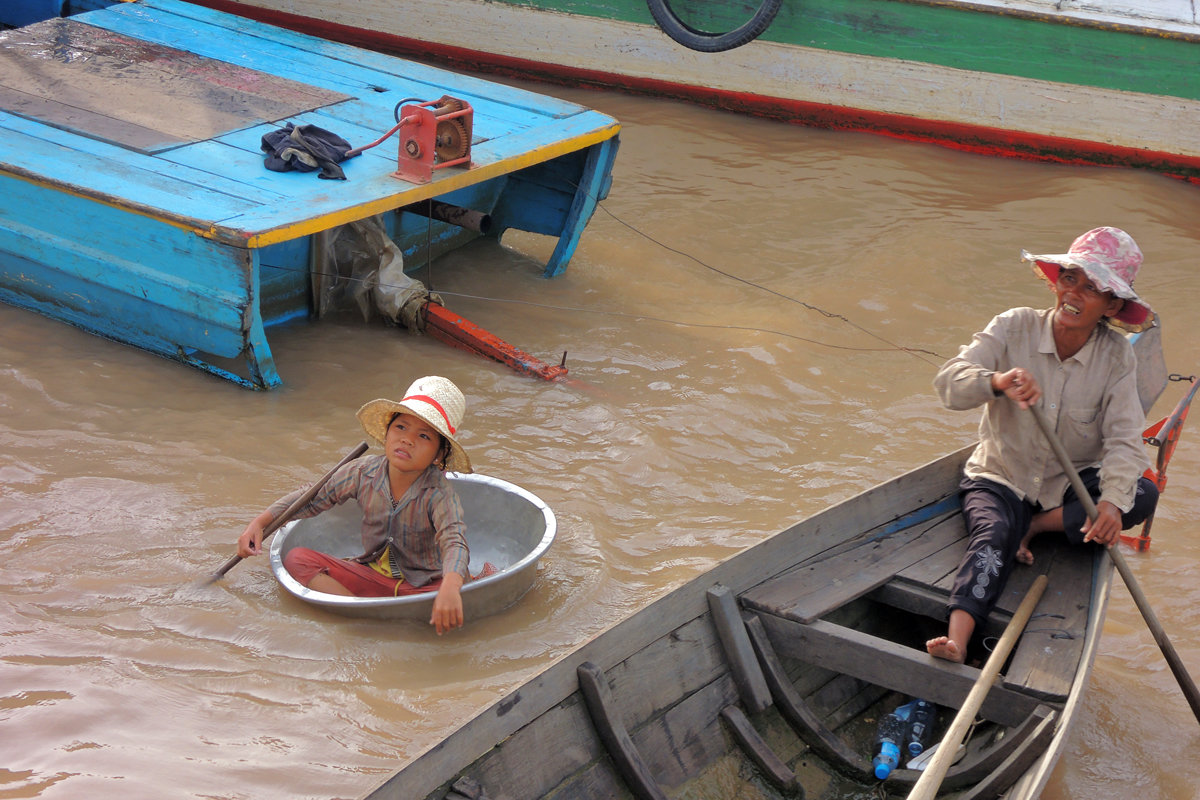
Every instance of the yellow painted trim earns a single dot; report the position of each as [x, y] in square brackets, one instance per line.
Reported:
[58, 186]
[444, 181]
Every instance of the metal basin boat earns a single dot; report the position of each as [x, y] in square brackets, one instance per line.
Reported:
[506, 525]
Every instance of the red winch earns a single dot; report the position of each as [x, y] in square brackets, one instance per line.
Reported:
[433, 135]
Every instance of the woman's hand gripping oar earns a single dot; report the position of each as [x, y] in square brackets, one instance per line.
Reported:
[1160, 636]
[290, 510]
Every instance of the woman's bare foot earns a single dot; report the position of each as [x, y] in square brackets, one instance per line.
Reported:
[1041, 523]
[1024, 554]
[947, 648]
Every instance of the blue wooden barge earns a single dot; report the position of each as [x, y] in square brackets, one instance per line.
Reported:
[134, 200]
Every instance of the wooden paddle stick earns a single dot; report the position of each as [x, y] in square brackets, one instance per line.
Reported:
[926, 787]
[287, 514]
[1160, 636]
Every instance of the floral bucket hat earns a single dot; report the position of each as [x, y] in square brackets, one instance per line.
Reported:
[1111, 259]
[433, 399]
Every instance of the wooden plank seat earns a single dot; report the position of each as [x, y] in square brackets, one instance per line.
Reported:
[994, 765]
[931, 602]
[1044, 661]
[812, 590]
[885, 663]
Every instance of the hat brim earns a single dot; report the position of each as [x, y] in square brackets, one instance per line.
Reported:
[1135, 315]
[375, 416]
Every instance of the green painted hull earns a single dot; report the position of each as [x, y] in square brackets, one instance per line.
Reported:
[1012, 78]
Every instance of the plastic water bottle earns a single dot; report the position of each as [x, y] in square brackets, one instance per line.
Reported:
[921, 726]
[890, 736]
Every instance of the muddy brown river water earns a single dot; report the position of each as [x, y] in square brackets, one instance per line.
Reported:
[757, 310]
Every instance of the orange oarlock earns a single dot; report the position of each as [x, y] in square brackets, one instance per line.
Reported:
[1164, 435]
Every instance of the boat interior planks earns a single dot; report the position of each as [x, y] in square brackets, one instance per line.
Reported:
[811, 591]
[142, 123]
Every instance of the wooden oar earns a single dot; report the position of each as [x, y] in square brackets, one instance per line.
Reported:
[290, 510]
[927, 785]
[1168, 650]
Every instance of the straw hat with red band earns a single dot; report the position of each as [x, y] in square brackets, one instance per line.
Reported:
[435, 400]
[1111, 259]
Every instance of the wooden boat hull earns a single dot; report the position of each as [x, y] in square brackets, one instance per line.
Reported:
[1113, 84]
[134, 200]
[506, 525]
[665, 696]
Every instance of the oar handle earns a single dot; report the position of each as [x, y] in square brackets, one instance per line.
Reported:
[926, 787]
[1135, 590]
[299, 503]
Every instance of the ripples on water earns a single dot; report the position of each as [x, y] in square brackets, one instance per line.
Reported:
[716, 413]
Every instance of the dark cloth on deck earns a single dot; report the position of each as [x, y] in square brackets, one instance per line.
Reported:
[305, 148]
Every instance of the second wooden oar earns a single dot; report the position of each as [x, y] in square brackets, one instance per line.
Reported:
[290, 510]
[1160, 636]
[927, 785]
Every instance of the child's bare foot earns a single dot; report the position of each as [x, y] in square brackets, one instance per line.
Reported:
[947, 648]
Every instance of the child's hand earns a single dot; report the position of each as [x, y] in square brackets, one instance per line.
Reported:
[447, 606]
[250, 542]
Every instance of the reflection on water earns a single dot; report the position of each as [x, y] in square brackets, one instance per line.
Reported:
[757, 313]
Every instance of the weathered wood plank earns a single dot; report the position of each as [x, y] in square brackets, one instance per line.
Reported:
[759, 751]
[903, 669]
[689, 736]
[566, 730]
[808, 726]
[732, 633]
[929, 602]
[915, 598]
[813, 590]
[467, 789]
[205, 97]
[937, 570]
[621, 749]
[691, 654]
[1046, 659]
[1029, 738]
[1016, 764]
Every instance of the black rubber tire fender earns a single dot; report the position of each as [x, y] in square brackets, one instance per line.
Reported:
[704, 42]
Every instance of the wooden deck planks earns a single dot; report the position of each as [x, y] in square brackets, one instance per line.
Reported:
[332, 66]
[63, 71]
[218, 185]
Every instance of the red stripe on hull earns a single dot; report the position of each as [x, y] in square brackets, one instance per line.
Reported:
[959, 136]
